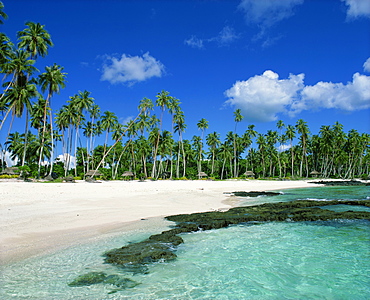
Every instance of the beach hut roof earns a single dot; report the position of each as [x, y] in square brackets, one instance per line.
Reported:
[315, 173]
[94, 173]
[202, 174]
[11, 171]
[127, 173]
[249, 173]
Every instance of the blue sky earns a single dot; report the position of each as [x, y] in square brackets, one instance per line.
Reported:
[273, 59]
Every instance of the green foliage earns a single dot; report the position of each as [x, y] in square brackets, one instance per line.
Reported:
[5, 176]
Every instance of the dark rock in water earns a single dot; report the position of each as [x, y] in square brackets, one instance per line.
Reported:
[136, 257]
[342, 183]
[145, 252]
[120, 281]
[254, 194]
[89, 279]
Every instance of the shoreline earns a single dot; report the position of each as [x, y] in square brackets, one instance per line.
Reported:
[42, 218]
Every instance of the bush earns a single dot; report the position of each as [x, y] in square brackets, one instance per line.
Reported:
[4, 176]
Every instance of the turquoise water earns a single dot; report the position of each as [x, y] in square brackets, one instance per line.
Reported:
[303, 260]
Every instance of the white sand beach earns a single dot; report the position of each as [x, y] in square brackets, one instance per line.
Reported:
[37, 218]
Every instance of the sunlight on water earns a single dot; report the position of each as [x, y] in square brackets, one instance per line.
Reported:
[311, 260]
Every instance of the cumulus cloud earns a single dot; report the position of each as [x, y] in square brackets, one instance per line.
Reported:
[266, 13]
[262, 97]
[367, 65]
[354, 95]
[357, 8]
[131, 69]
[225, 37]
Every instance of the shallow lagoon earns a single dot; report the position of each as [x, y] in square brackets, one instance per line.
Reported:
[303, 260]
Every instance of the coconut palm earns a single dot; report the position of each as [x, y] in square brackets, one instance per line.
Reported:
[180, 127]
[3, 15]
[20, 67]
[213, 141]
[162, 101]
[237, 118]
[35, 39]
[290, 134]
[304, 131]
[280, 125]
[52, 80]
[108, 121]
[202, 125]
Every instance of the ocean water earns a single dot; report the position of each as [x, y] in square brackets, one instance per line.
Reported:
[292, 260]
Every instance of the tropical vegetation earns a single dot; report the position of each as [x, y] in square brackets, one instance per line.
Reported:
[63, 141]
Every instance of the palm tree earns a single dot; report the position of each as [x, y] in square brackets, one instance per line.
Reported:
[2, 13]
[19, 98]
[237, 118]
[108, 121]
[271, 139]
[280, 125]
[51, 81]
[180, 127]
[303, 130]
[162, 101]
[213, 141]
[202, 125]
[290, 134]
[20, 67]
[164, 148]
[261, 141]
[145, 106]
[35, 39]
[225, 153]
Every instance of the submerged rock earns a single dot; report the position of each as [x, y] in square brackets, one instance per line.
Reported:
[161, 247]
[88, 279]
[91, 278]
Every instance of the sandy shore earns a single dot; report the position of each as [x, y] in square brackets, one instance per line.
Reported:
[41, 217]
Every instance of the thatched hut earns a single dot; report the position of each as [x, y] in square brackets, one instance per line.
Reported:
[315, 173]
[127, 175]
[202, 174]
[93, 173]
[10, 171]
[249, 174]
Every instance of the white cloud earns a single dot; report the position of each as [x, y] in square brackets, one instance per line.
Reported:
[352, 96]
[262, 97]
[367, 65]
[357, 8]
[131, 69]
[266, 13]
[225, 37]
[6, 157]
[64, 157]
[194, 42]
